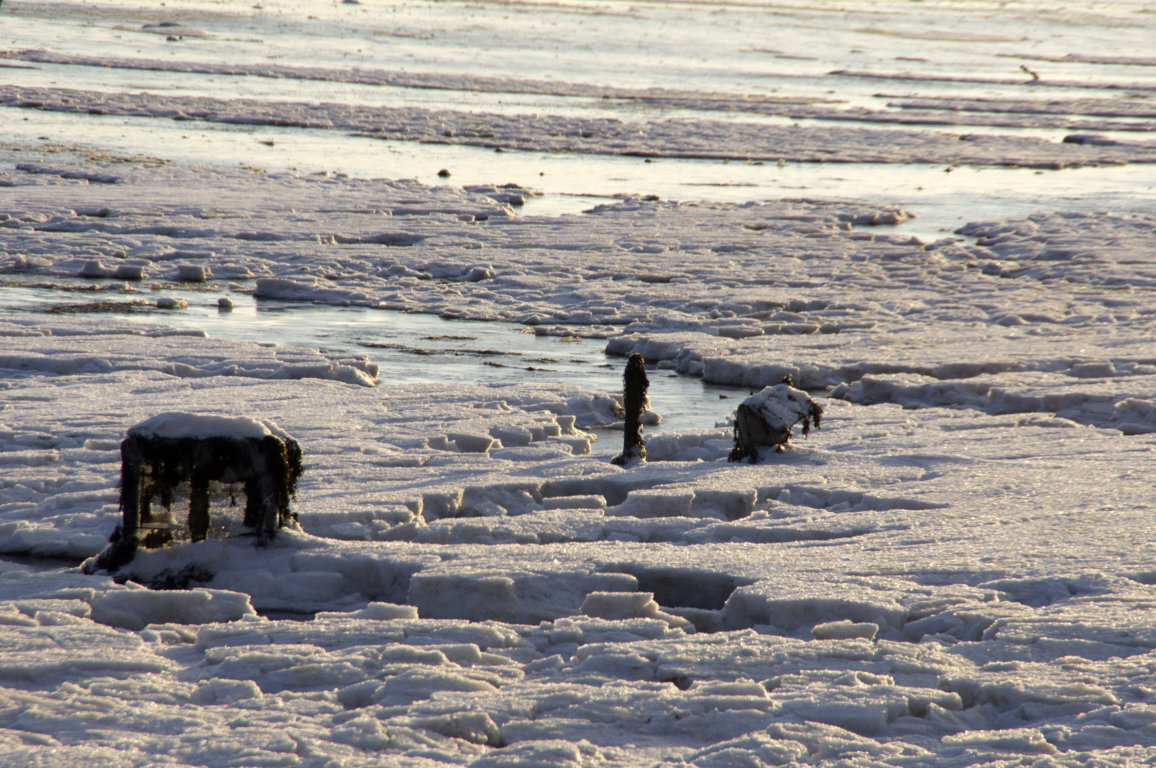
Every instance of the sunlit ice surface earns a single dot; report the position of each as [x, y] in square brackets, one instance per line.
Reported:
[955, 570]
[555, 58]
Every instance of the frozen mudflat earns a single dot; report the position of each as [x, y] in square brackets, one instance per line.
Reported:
[956, 569]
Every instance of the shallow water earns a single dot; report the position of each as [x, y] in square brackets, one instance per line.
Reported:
[540, 58]
[941, 199]
[409, 348]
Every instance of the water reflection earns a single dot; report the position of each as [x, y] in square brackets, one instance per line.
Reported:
[410, 348]
[942, 198]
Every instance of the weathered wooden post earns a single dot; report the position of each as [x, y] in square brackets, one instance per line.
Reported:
[634, 402]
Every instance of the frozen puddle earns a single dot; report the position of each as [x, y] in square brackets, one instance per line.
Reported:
[409, 348]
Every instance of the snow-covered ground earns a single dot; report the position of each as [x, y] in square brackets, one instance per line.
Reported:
[956, 569]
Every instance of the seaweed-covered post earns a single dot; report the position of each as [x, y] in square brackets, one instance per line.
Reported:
[634, 402]
[765, 420]
[182, 474]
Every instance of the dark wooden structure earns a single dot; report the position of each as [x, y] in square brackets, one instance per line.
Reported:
[190, 478]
